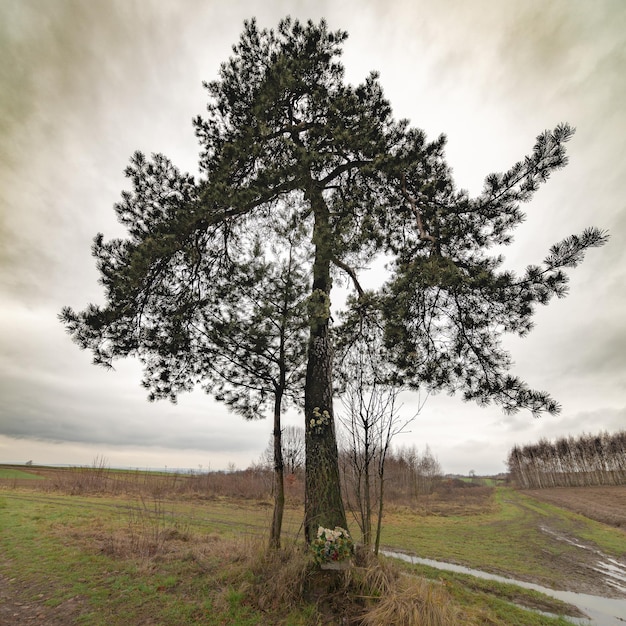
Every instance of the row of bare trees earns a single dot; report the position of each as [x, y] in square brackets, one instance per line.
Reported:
[570, 462]
[395, 475]
[372, 471]
[411, 474]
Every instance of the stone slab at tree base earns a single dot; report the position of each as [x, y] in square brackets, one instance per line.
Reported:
[345, 564]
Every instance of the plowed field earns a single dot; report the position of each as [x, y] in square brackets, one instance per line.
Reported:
[603, 504]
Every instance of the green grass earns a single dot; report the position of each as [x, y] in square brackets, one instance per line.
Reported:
[184, 562]
[138, 560]
[503, 540]
[58, 546]
[12, 474]
[505, 603]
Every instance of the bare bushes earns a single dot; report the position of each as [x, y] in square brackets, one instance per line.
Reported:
[149, 527]
[96, 478]
[254, 483]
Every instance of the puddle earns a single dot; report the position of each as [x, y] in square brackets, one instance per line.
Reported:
[614, 572]
[601, 611]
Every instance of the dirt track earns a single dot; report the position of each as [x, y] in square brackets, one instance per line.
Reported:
[17, 606]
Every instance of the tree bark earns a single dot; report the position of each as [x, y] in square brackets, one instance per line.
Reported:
[367, 525]
[279, 476]
[379, 521]
[323, 502]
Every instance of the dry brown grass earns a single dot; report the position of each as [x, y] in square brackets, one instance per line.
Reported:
[413, 602]
[371, 593]
[448, 497]
[148, 529]
[448, 501]
[280, 577]
[389, 596]
[255, 483]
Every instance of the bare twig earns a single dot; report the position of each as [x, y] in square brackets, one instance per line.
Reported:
[416, 211]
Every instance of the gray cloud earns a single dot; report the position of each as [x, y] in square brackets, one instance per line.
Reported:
[55, 415]
[84, 84]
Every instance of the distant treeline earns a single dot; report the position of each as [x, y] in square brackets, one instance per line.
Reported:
[570, 462]
[408, 474]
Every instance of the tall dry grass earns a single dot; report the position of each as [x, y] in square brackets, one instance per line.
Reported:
[413, 601]
[372, 593]
[391, 596]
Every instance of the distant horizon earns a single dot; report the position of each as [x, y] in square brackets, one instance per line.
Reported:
[190, 470]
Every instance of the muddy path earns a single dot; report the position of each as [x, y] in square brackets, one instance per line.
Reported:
[585, 567]
[24, 604]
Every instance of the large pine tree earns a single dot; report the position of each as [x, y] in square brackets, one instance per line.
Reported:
[284, 135]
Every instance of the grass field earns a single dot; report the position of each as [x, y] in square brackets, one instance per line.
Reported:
[9, 473]
[148, 559]
[514, 535]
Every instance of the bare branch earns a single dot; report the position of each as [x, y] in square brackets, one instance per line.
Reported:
[350, 272]
[416, 211]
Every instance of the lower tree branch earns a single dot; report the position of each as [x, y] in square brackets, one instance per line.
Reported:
[350, 272]
[418, 215]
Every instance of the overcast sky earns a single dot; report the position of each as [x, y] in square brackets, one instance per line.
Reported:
[84, 84]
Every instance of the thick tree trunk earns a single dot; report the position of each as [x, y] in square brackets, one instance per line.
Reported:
[279, 476]
[323, 502]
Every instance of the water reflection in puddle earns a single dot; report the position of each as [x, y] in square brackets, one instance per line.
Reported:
[601, 611]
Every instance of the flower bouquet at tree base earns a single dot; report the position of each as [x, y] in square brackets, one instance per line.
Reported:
[333, 549]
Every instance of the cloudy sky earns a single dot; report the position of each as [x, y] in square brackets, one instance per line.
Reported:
[84, 84]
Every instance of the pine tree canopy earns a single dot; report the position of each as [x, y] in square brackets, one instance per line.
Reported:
[224, 279]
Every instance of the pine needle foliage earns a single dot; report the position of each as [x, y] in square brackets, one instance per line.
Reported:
[224, 279]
